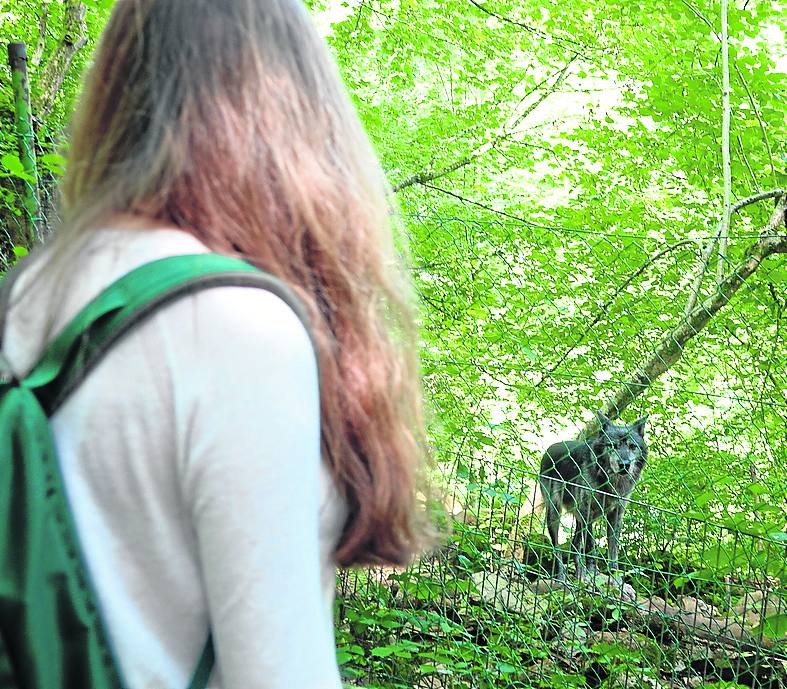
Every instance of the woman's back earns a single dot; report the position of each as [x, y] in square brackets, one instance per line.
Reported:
[191, 457]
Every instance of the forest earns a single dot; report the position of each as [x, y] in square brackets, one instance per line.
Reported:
[593, 195]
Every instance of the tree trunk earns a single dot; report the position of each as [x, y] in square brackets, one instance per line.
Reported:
[56, 68]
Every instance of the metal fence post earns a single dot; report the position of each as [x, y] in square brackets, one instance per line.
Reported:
[17, 58]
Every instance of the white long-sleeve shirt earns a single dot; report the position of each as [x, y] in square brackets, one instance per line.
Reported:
[191, 460]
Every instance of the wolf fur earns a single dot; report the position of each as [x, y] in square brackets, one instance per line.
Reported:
[592, 478]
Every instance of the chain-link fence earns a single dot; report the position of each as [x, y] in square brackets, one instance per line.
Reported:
[529, 330]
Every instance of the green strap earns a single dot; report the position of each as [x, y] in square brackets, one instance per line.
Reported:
[129, 300]
[204, 667]
[117, 302]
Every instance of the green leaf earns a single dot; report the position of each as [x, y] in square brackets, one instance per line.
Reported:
[505, 668]
[343, 656]
[384, 651]
[773, 627]
[15, 168]
[53, 162]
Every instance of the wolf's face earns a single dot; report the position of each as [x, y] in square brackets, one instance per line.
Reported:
[621, 448]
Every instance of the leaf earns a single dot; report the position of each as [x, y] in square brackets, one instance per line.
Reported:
[614, 651]
[343, 656]
[773, 627]
[53, 162]
[703, 499]
[756, 488]
[505, 668]
[484, 439]
[718, 558]
[384, 651]
[529, 353]
[14, 166]
[20, 251]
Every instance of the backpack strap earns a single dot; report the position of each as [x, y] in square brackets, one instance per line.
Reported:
[204, 666]
[69, 358]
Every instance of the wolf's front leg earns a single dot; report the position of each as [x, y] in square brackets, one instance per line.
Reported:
[614, 522]
[553, 527]
[578, 542]
[590, 552]
[560, 575]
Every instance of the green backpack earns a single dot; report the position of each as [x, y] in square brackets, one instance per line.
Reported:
[52, 635]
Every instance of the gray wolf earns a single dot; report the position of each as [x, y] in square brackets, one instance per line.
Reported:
[591, 478]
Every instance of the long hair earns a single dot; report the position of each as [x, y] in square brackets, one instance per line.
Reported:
[228, 119]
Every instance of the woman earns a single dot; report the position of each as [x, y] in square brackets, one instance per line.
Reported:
[216, 478]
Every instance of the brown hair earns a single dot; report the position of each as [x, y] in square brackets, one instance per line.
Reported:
[227, 118]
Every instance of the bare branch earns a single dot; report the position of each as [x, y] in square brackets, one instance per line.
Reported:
[430, 175]
[763, 130]
[706, 256]
[670, 348]
[745, 159]
[699, 15]
[772, 194]
[602, 310]
[561, 40]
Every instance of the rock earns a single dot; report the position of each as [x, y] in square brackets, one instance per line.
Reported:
[511, 596]
[520, 598]
[485, 585]
[636, 680]
[697, 606]
[615, 586]
[754, 606]
[656, 605]
[431, 682]
[548, 585]
[574, 634]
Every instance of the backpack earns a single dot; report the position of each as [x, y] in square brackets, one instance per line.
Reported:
[52, 635]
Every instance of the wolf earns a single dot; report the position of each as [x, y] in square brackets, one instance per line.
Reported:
[590, 478]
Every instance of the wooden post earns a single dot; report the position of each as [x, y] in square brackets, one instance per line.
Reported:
[17, 58]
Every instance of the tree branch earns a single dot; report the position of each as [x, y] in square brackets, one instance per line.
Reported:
[706, 256]
[530, 29]
[772, 194]
[56, 68]
[724, 232]
[763, 130]
[671, 346]
[602, 310]
[430, 175]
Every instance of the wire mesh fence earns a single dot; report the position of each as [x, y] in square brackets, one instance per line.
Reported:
[528, 328]
[698, 605]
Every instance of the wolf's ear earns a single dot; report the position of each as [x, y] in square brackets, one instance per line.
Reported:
[604, 421]
[639, 425]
